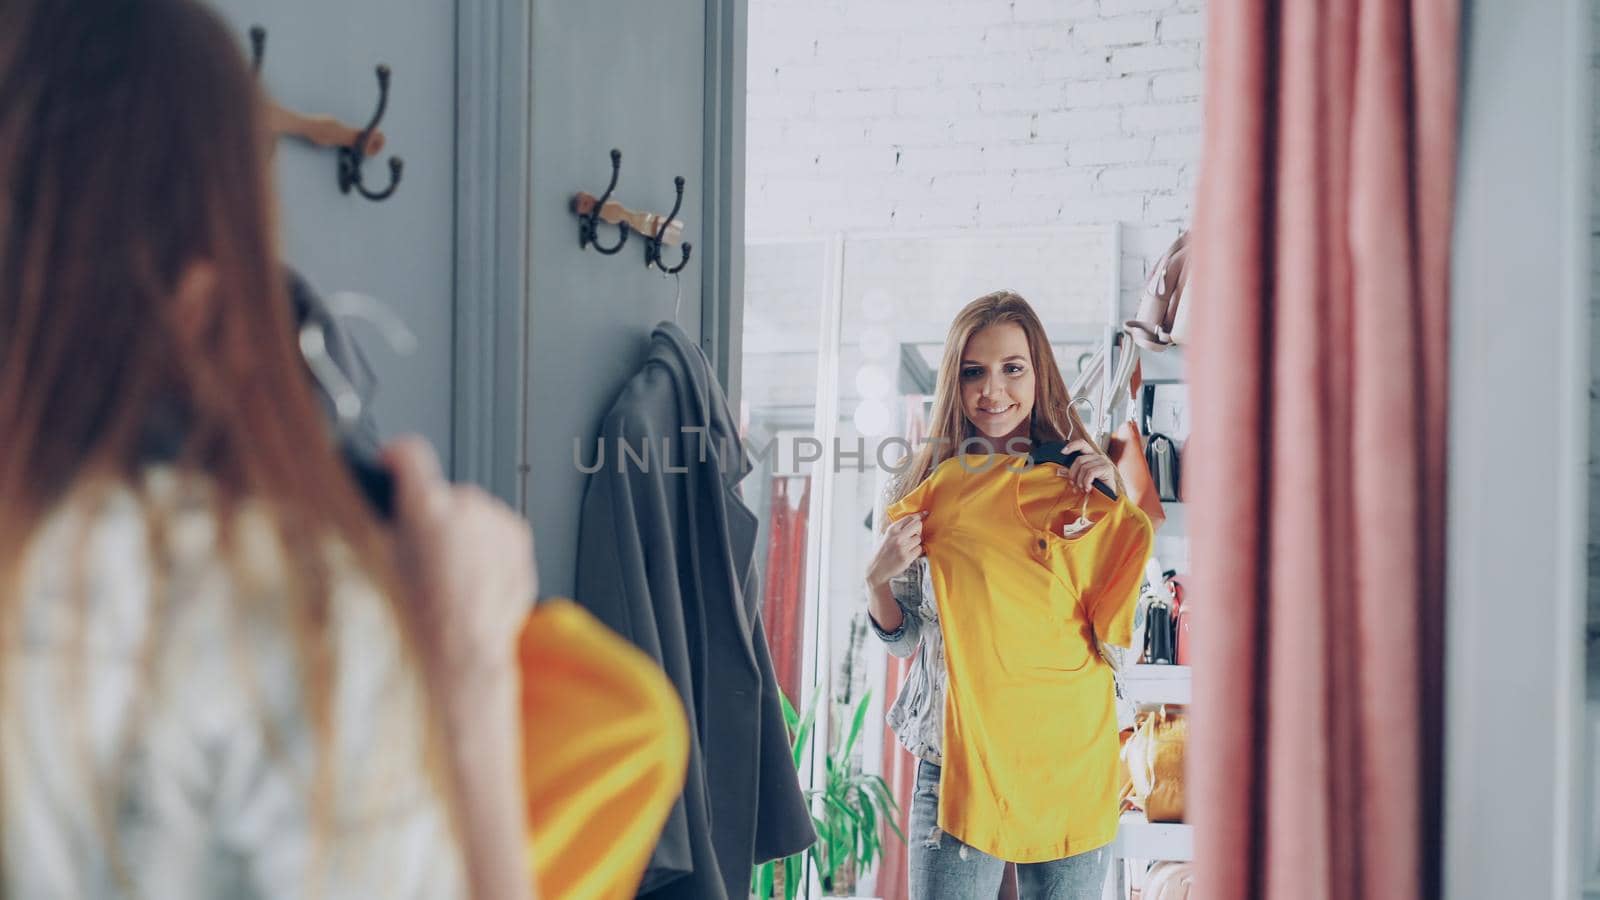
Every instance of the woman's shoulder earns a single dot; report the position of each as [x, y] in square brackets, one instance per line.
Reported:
[186, 622]
[110, 550]
[153, 572]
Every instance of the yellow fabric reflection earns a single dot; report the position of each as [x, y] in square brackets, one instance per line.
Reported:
[1030, 737]
[605, 751]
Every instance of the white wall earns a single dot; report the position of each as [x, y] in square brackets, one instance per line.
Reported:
[970, 114]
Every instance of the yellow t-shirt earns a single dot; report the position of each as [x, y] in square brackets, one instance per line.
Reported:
[1030, 734]
[605, 749]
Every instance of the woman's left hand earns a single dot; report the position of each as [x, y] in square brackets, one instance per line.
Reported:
[1090, 466]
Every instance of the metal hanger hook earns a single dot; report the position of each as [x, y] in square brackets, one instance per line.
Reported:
[351, 158]
[589, 224]
[652, 247]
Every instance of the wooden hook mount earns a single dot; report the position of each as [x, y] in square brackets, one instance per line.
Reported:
[614, 213]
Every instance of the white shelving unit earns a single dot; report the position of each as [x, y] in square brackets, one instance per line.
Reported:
[1138, 839]
[1152, 686]
[1156, 685]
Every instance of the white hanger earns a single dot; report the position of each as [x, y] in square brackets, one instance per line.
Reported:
[314, 347]
[677, 300]
[346, 400]
[353, 305]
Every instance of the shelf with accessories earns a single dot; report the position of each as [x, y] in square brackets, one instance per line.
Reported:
[1141, 839]
[1154, 685]
[1155, 396]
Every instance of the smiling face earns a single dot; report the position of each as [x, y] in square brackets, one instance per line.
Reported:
[997, 382]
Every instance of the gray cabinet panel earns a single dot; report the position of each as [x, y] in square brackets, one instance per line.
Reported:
[628, 74]
[320, 58]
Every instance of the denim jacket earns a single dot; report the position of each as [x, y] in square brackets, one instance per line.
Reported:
[917, 715]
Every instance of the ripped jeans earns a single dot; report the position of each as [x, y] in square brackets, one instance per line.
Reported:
[943, 868]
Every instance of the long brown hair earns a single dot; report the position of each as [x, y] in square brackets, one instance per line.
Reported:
[1053, 417]
[132, 146]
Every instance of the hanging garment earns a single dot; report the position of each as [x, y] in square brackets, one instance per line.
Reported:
[604, 746]
[665, 550]
[783, 606]
[1030, 732]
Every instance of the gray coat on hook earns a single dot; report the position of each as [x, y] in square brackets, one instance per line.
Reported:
[665, 558]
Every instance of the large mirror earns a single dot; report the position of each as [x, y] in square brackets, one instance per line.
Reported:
[894, 176]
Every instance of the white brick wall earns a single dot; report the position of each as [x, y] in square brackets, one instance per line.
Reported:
[968, 114]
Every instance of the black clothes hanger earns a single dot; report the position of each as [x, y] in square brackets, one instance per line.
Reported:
[343, 381]
[1055, 452]
[375, 481]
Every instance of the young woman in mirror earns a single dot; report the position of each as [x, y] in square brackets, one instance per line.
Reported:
[1008, 704]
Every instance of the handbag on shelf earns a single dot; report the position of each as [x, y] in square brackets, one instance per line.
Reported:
[1163, 316]
[1154, 757]
[1158, 640]
[1161, 454]
[1181, 616]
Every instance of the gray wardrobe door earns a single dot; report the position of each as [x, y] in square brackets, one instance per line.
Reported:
[628, 74]
[320, 58]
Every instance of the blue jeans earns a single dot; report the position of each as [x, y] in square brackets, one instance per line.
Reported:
[943, 868]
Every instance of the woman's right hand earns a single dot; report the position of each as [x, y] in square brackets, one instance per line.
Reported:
[470, 558]
[902, 544]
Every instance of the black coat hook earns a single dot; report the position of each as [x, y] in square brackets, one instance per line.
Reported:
[652, 246]
[589, 223]
[350, 158]
[258, 47]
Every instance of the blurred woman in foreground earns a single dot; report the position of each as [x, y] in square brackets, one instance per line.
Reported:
[220, 676]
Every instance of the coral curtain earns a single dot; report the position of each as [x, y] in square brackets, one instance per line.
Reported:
[900, 772]
[783, 610]
[1318, 369]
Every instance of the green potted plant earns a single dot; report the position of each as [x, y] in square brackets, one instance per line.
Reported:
[847, 811]
[854, 805]
[782, 877]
